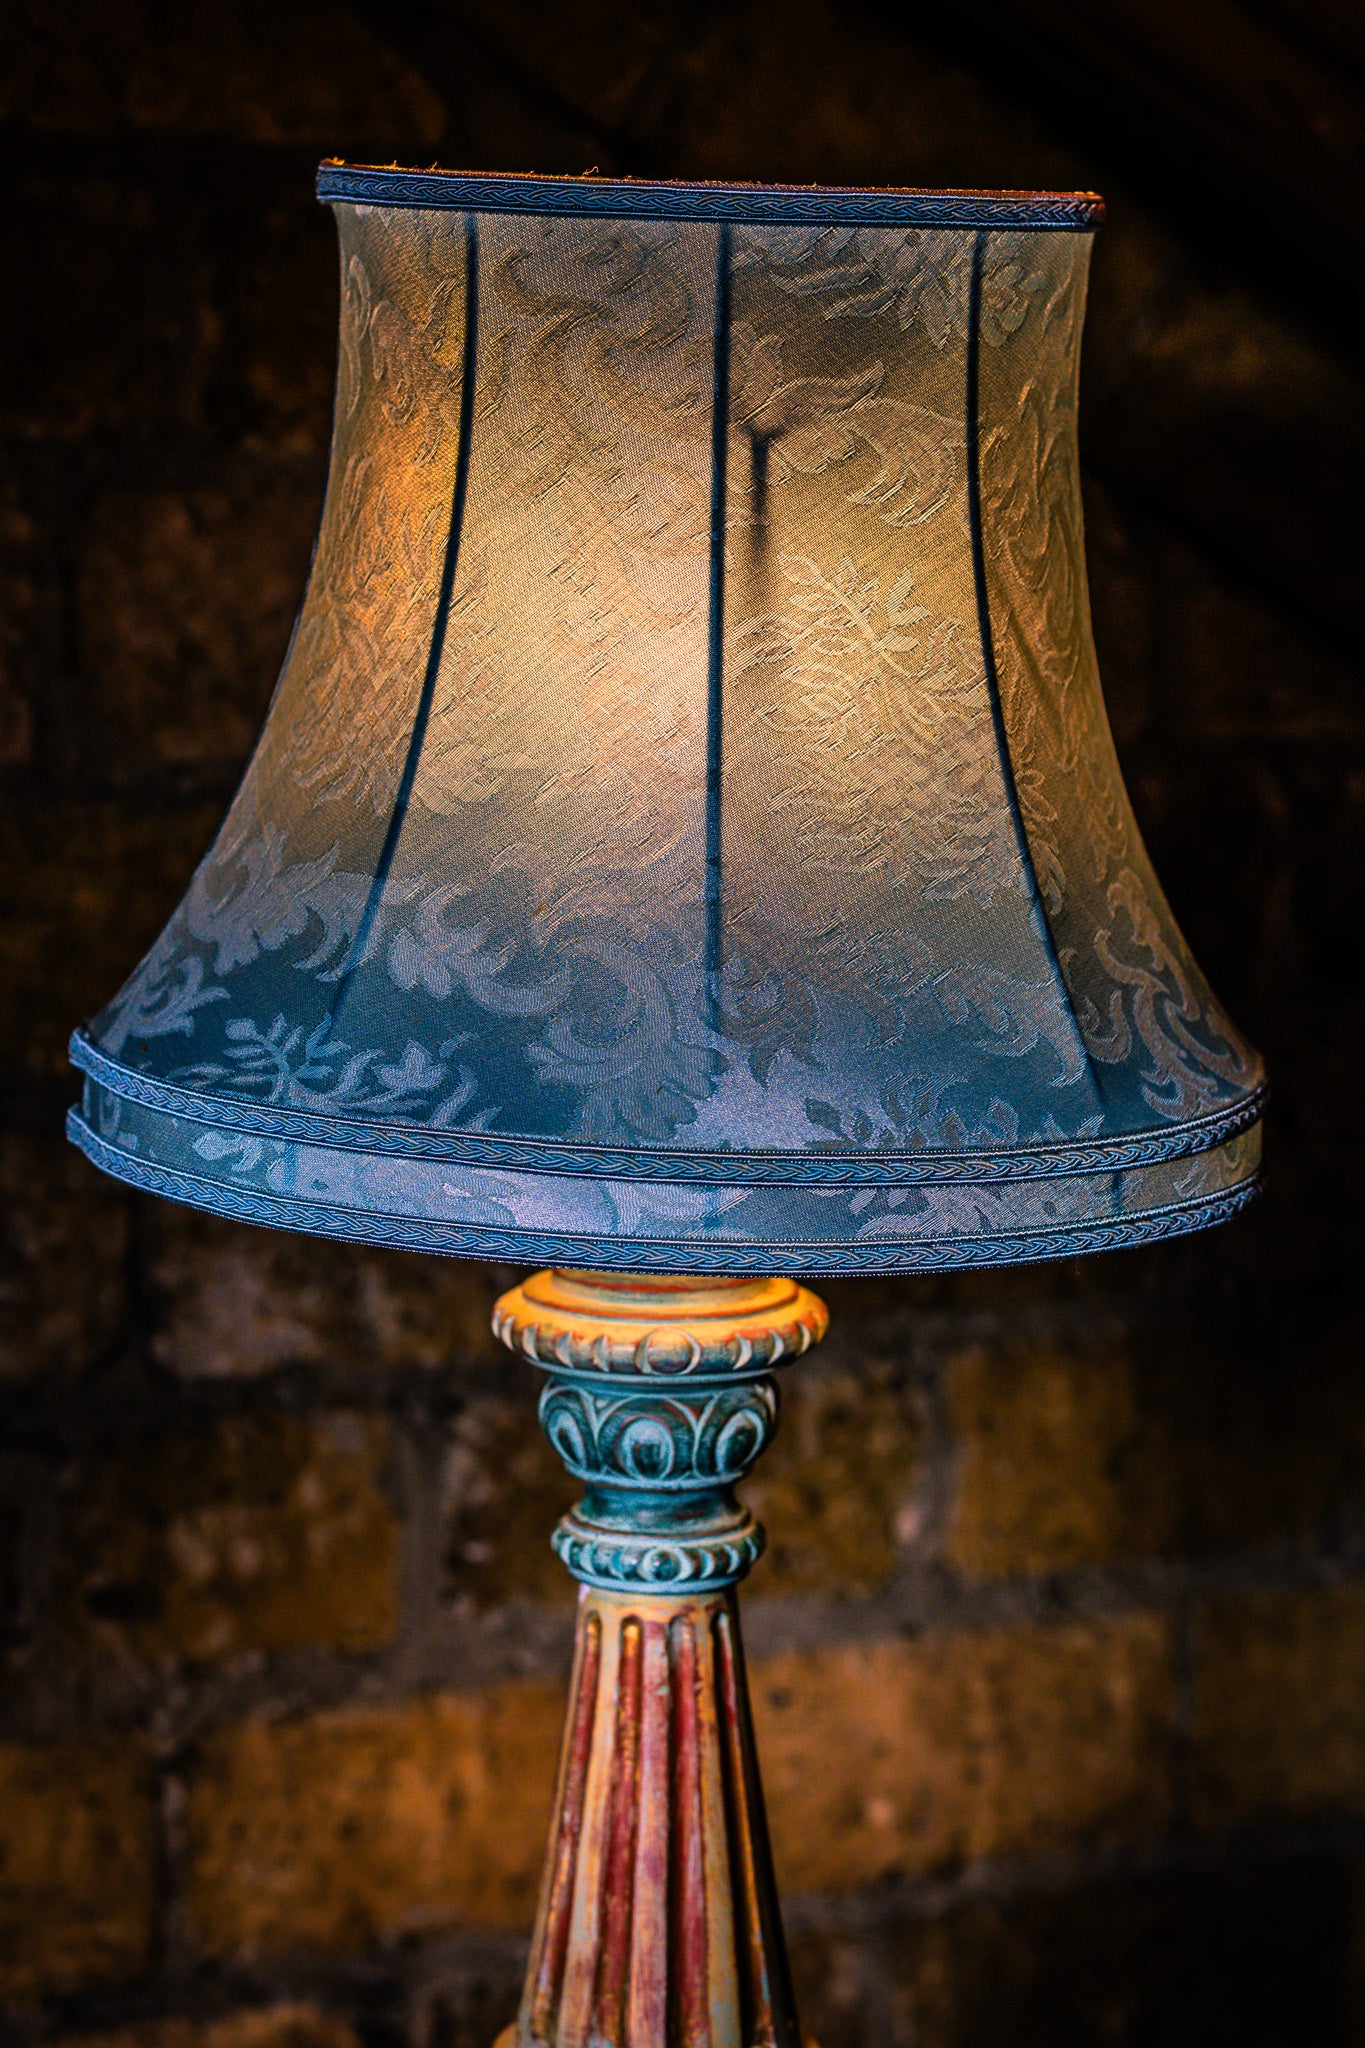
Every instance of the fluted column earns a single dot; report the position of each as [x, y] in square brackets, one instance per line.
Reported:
[658, 1924]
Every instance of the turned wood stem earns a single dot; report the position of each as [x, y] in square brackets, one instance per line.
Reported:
[658, 1924]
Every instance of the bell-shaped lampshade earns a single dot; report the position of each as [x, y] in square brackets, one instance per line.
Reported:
[686, 835]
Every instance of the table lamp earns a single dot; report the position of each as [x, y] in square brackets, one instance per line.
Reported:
[685, 846]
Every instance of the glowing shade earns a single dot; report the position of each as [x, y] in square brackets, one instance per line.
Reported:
[687, 835]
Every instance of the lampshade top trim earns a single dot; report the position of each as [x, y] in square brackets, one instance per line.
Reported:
[650, 199]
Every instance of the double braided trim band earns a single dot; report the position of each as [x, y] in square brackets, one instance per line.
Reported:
[824, 1168]
[658, 1255]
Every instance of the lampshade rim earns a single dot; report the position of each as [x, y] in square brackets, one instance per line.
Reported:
[659, 1254]
[749, 1168]
[703, 200]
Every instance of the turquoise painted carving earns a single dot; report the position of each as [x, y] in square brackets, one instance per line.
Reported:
[659, 1463]
[695, 1562]
[670, 1435]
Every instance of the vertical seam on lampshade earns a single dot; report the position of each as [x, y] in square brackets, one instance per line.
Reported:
[987, 638]
[440, 621]
[715, 662]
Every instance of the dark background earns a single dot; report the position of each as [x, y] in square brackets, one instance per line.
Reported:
[1183, 1428]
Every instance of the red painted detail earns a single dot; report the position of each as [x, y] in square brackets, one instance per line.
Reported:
[613, 1962]
[659, 1924]
[691, 2005]
[649, 1952]
[543, 1988]
[768, 2004]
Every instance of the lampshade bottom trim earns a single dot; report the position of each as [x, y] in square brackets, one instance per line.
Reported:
[657, 1254]
[512, 1153]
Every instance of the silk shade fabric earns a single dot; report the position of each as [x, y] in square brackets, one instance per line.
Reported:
[686, 835]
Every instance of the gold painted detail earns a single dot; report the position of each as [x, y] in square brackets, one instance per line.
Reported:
[647, 1323]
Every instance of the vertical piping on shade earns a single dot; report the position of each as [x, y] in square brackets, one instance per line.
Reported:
[987, 638]
[715, 663]
[445, 593]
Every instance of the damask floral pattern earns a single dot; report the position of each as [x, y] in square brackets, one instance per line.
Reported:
[460, 900]
[915, 274]
[1151, 1025]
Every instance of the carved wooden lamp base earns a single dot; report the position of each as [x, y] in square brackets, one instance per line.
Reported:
[658, 1924]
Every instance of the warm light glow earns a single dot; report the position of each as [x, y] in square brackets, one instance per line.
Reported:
[687, 823]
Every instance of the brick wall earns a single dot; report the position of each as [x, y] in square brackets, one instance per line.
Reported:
[1059, 1648]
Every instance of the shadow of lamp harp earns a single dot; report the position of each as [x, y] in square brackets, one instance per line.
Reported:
[686, 844]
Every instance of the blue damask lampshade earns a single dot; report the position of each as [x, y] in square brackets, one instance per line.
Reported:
[686, 835]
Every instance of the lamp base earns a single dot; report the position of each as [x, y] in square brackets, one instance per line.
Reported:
[658, 1924]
